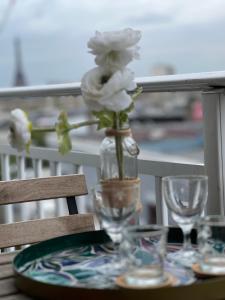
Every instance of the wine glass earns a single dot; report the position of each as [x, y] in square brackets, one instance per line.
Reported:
[115, 206]
[185, 197]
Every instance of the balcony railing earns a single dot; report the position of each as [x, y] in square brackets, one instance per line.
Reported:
[212, 87]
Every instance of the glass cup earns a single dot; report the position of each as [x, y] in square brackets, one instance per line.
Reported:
[185, 197]
[211, 243]
[144, 248]
[115, 205]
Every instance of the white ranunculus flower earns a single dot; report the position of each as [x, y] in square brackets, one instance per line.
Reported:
[115, 49]
[91, 88]
[20, 130]
[101, 91]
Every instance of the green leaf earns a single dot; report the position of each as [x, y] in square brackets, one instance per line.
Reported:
[123, 117]
[130, 108]
[137, 92]
[62, 130]
[105, 118]
[65, 144]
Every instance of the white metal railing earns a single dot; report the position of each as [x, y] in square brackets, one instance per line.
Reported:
[77, 161]
[212, 86]
[168, 83]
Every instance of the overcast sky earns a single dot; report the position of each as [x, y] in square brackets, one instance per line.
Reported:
[189, 35]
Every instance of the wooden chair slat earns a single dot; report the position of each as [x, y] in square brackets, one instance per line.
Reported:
[30, 232]
[18, 191]
[7, 287]
[6, 258]
[6, 271]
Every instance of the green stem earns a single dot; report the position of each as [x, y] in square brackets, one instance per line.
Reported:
[71, 127]
[43, 129]
[81, 124]
[119, 148]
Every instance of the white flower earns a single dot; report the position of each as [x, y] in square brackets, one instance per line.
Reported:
[101, 91]
[91, 88]
[20, 130]
[114, 50]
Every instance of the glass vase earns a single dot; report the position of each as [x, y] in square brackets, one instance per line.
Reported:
[119, 165]
[118, 155]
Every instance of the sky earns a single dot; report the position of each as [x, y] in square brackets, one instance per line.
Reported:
[188, 35]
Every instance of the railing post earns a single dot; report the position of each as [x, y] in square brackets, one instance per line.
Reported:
[161, 208]
[214, 149]
[37, 165]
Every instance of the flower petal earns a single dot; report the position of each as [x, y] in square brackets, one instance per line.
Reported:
[117, 102]
[96, 92]
[20, 130]
[115, 49]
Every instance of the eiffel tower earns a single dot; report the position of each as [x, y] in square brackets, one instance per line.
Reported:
[19, 76]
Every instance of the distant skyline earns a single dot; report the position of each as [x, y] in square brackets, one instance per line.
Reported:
[188, 35]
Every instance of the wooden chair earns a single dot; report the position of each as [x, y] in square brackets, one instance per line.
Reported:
[28, 232]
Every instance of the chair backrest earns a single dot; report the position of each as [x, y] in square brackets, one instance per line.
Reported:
[28, 232]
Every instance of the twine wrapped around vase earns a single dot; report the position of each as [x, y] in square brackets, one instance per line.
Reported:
[118, 132]
[119, 193]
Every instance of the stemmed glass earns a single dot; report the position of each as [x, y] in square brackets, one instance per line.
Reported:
[115, 206]
[185, 197]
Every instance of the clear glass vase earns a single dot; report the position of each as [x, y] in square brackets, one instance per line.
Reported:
[118, 155]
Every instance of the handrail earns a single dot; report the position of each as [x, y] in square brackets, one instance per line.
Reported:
[166, 83]
[145, 165]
